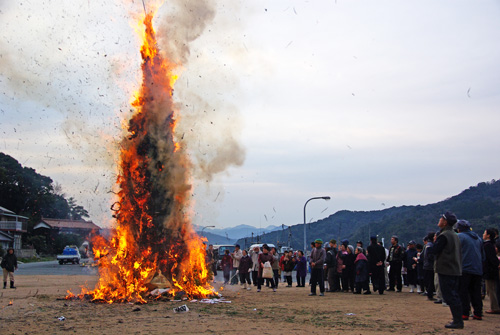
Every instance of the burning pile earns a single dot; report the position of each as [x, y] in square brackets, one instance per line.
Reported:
[155, 244]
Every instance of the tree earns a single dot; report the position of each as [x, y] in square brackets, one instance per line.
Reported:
[76, 212]
[28, 193]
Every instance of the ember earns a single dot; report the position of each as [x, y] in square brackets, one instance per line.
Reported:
[155, 246]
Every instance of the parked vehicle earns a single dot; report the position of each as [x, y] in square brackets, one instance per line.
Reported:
[270, 245]
[285, 249]
[70, 254]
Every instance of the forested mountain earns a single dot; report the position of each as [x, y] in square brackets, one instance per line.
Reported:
[27, 193]
[479, 204]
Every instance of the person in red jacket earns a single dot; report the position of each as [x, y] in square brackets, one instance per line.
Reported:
[226, 264]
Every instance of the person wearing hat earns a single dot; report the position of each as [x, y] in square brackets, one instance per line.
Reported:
[448, 266]
[429, 266]
[376, 259]
[411, 265]
[317, 259]
[9, 264]
[360, 244]
[472, 270]
[395, 259]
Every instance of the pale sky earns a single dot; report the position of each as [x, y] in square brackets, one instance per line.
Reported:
[374, 103]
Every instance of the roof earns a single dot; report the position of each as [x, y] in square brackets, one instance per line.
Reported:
[70, 224]
[4, 237]
[5, 210]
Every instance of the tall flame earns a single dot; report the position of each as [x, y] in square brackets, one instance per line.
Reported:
[153, 232]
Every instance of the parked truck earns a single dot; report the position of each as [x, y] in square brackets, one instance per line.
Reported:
[70, 254]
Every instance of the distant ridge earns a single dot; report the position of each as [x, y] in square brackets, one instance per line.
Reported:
[478, 204]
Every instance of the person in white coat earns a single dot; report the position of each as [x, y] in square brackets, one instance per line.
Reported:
[236, 256]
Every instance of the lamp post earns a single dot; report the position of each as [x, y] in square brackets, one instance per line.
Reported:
[305, 239]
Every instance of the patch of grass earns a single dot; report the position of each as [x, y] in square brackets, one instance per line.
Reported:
[42, 297]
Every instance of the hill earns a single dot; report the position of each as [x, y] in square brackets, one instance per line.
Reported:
[478, 204]
[240, 231]
[216, 239]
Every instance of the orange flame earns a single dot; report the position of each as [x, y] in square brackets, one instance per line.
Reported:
[154, 238]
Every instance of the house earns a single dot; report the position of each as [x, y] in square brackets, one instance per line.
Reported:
[54, 227]
[12, 227]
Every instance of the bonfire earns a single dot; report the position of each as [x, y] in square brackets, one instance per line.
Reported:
[155, 248]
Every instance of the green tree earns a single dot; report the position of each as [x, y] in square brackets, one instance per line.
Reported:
[28, 193]
[76, 212]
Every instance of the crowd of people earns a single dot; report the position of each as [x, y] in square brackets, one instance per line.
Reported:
[454, 267]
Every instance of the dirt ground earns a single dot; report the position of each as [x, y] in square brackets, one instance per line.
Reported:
[34, 308]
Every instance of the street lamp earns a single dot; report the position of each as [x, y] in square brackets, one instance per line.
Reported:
[305, 239]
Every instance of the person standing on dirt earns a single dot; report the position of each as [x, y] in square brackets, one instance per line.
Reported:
[349, 268]
[226, 264]
[491, 274]
[395, 259]
[318, 256]
[276, 265]
[254, 255]
[301, 264]
[244, 270]
[411, 265]
[429, 266]
[341, 260]
[264, 257]
[211, 260]
[331, 267]
[448, 266]
[235, 256]
[376, 259]
[288, 266]
[472, 270]
[9, 264]
[361, 269]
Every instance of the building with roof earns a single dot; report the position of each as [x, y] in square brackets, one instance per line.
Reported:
[12, 227]
[54, 227]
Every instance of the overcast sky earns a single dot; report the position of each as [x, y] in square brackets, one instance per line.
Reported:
[374, 103]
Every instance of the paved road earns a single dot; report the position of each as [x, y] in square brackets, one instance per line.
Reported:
[53, 268]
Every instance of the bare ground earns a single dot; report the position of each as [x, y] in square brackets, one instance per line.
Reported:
[34, 308]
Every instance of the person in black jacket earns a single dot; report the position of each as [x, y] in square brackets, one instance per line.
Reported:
[331, 267]
[411, 265]
[376, 259]
[244, 270]
[349, 268]
[9, 264]
[429, 266]
[361, 272]
[395, 259]
[490, 269]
